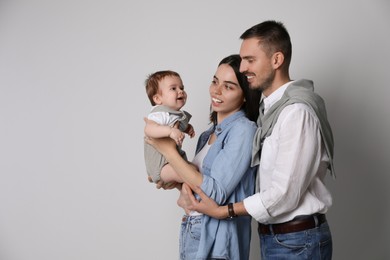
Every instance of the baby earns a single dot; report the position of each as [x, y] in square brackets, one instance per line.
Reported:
[166, 94]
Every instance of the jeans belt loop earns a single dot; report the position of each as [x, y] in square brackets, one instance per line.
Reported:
[316, 220]
[271, 229]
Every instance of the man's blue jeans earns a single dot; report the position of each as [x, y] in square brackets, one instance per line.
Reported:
[311, 244]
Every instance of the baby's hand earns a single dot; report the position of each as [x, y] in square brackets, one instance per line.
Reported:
[177, 136]
[190, 130]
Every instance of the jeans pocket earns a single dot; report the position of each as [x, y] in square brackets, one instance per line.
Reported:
[195, 229]
[326, 243]
[291, 244]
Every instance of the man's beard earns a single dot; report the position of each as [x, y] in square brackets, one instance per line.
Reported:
[267, 82]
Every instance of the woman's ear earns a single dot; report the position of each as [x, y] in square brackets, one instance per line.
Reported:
[277, 60]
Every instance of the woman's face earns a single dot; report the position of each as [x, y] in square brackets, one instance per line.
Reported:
[226, 94]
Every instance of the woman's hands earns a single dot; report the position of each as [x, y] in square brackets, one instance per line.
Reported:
[184, 201]
[165, 185]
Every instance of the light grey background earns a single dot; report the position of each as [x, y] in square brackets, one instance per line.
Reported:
[72, 178]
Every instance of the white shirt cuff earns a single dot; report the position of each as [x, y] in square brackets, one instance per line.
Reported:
[254, 206]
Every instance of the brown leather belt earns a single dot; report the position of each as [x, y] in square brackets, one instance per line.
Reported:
[295, 225]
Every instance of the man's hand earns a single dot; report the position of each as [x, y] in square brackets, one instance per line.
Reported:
[206, 205]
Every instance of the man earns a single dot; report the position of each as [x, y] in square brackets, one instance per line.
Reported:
[293, 149]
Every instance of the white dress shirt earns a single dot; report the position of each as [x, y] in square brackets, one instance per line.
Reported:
[293, 165]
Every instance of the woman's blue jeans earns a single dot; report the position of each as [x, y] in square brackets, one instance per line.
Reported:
[311, 244]
[190, 236]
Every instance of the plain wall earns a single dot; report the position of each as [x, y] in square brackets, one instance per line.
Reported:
[72, 101]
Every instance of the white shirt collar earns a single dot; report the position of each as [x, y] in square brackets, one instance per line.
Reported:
[274, 97]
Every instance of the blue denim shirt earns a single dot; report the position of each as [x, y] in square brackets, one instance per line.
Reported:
[227, 177]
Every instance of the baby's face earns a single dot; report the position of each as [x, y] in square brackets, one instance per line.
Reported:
[171, 93]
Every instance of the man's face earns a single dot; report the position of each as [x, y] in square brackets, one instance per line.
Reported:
[256, 65]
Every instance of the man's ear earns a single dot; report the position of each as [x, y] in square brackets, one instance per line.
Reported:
[277, 60]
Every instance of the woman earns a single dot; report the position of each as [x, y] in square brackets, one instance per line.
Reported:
[223, 155]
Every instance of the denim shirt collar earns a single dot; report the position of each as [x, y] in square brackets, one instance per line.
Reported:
[219, 128]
